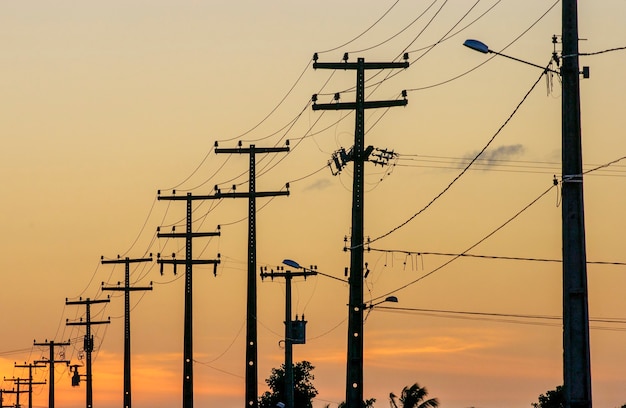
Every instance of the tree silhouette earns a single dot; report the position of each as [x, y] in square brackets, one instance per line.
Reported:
[552, 399]
[304, 391]
[414, 396]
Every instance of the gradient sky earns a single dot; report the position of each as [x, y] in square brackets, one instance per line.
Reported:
[104, 103]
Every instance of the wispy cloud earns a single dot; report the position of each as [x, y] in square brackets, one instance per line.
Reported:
[319, 185]
[492, 156]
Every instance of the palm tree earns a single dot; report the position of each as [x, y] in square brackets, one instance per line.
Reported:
[414, 397]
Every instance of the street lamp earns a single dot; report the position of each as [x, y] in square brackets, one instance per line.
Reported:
[391, 299]
[484, 49]
[576, 346]
[290, 338]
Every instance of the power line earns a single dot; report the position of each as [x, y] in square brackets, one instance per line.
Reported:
[508, 258]
[363, 32]
[506, 122]
[421, 88]
[499, 317]
[471, 247]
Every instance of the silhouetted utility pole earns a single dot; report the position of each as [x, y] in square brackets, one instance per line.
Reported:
[188, 262]
[576, 354]
[51, 360]
[290, 338]
[30, 381]
[19, 381]
[2, 392]
[16, 392]
[126, 289]
[88, 345]
[252, 371]
[354, 377]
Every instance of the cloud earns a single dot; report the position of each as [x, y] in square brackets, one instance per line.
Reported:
[319, 185]
[491, 157]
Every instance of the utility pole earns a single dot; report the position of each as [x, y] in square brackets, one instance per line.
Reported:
[126, 289]
[16, 392]
[30, 381]
[252, 374]
[354, 375]
[290, 338]
[88, 344]
[51, 360]
[2, 392]
[576, 348]
[188, 262]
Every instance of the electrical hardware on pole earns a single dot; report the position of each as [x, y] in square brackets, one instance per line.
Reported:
[126, 289]
[290, 325]
[252, 374]
[51, 360]
[188, 235]
[359, 155]
[30, 381]
[88, 343]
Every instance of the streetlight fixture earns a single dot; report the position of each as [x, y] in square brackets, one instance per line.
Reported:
[299, 325]
[484, 49]
[392, 299]
[576, 345]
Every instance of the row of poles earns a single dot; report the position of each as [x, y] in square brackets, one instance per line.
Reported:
[576, 355]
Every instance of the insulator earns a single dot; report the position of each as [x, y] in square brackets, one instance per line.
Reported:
[315, 57]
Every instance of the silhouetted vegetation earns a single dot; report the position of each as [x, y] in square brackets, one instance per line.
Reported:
[413, 396]
[551, 399]
[304, 391]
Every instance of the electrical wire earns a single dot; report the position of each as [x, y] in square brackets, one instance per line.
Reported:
[363, 32]
[447, 81]
[516, 166]
[498, 317]
[508, 258]
[447, 37]
[486, 237]
[431, 202]
[601, 52]
[403, 29]
[274, 109]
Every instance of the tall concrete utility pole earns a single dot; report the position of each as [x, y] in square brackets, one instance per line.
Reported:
[88, 344]
[289, 335]
[30, 381]
[252, 373]
[51, 360]
[126, 289]
[189, 262]
[576, 348]
[354, 375]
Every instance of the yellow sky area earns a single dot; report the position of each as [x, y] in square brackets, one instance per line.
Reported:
[105, 103]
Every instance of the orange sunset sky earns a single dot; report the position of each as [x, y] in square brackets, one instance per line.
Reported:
[104, 103]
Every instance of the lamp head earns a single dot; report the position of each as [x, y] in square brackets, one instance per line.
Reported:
[292, 263]
[477, 46]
